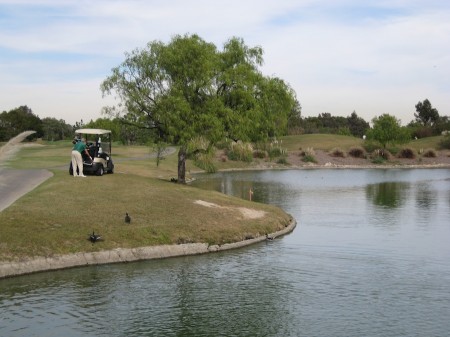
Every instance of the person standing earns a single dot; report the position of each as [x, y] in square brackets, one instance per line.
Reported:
[77, 159]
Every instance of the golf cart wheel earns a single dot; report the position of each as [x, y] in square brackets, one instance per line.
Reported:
[110, 168]
[100, 171]
[71, 169]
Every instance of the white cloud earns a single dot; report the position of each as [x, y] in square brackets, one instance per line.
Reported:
[343, 55]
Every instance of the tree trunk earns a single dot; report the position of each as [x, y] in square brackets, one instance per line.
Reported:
[182, 165]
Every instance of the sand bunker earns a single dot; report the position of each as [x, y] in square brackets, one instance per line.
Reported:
[247, 213]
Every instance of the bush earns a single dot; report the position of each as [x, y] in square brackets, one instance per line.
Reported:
[381, 153]
[309, 159]
[308, 152]
[378, 160]
[429, 153]
[205, 162]
[283, 161]
[357, 152]
[240, 152]
[336, 152]
[407, 153]
[260, 154]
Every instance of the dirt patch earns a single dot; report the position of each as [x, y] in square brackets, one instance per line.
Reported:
[247, 213]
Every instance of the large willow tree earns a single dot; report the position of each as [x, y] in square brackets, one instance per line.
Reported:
[188, 88]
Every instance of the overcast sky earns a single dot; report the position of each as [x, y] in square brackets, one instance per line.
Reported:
[340, 56]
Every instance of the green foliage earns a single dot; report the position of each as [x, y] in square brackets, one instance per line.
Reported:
[308, 155]
[261, 154]
[295, 119]
[55, 130]
[326, 123]
[282, 161]
[387, 130]
[358, 126]
[205, 161]
[187, 88]
[426, 114]
[240, 151]
[275, 150]
[19, 120]
[344, 131]
[370, 146]
[308, 158]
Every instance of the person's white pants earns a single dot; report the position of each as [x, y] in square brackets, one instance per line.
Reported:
[77, 161]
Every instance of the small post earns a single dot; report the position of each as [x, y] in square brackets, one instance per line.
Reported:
[250, 193]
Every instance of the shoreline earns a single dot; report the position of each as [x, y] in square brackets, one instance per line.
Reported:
[123, 255]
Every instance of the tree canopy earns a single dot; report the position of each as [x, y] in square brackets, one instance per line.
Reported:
[387, 129]
[18, 120]
[426, 114]
[188, 88]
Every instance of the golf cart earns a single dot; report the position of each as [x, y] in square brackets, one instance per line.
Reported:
[98, 143]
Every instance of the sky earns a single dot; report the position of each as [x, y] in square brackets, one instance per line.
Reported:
[368, 56]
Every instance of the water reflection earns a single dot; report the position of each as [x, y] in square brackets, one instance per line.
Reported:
[388, 194]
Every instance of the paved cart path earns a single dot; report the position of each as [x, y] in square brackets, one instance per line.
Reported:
[16, 183]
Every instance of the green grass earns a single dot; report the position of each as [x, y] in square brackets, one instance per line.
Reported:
[57, 216]
[324, 142]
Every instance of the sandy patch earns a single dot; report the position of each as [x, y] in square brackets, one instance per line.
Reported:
[251, 213]
[247, 213]
[205, 203]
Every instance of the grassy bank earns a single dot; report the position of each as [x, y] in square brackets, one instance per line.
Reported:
[57, 217]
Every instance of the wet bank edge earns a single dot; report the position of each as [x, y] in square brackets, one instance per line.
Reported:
[121, 255]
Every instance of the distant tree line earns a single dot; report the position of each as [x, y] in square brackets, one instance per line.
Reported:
[427, 123]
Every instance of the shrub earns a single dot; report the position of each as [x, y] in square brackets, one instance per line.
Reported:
[429, 153]
[308, 155]
[205, 162]
[357, 152]
[309, 159]
[337, 152]
[260, 154]
[276, 152]
[378, 160]
[283, 161]
[407, 153]
[381, 153]
[240, 151]
[308, 152]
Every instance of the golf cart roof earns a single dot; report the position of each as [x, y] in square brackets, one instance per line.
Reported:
[92, 131]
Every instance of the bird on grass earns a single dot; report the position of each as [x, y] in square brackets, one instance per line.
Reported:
[127, 218]
[94, 237]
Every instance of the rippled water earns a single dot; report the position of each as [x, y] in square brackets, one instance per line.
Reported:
[370, 257]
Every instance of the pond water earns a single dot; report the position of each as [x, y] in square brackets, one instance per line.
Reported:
[370, 257]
